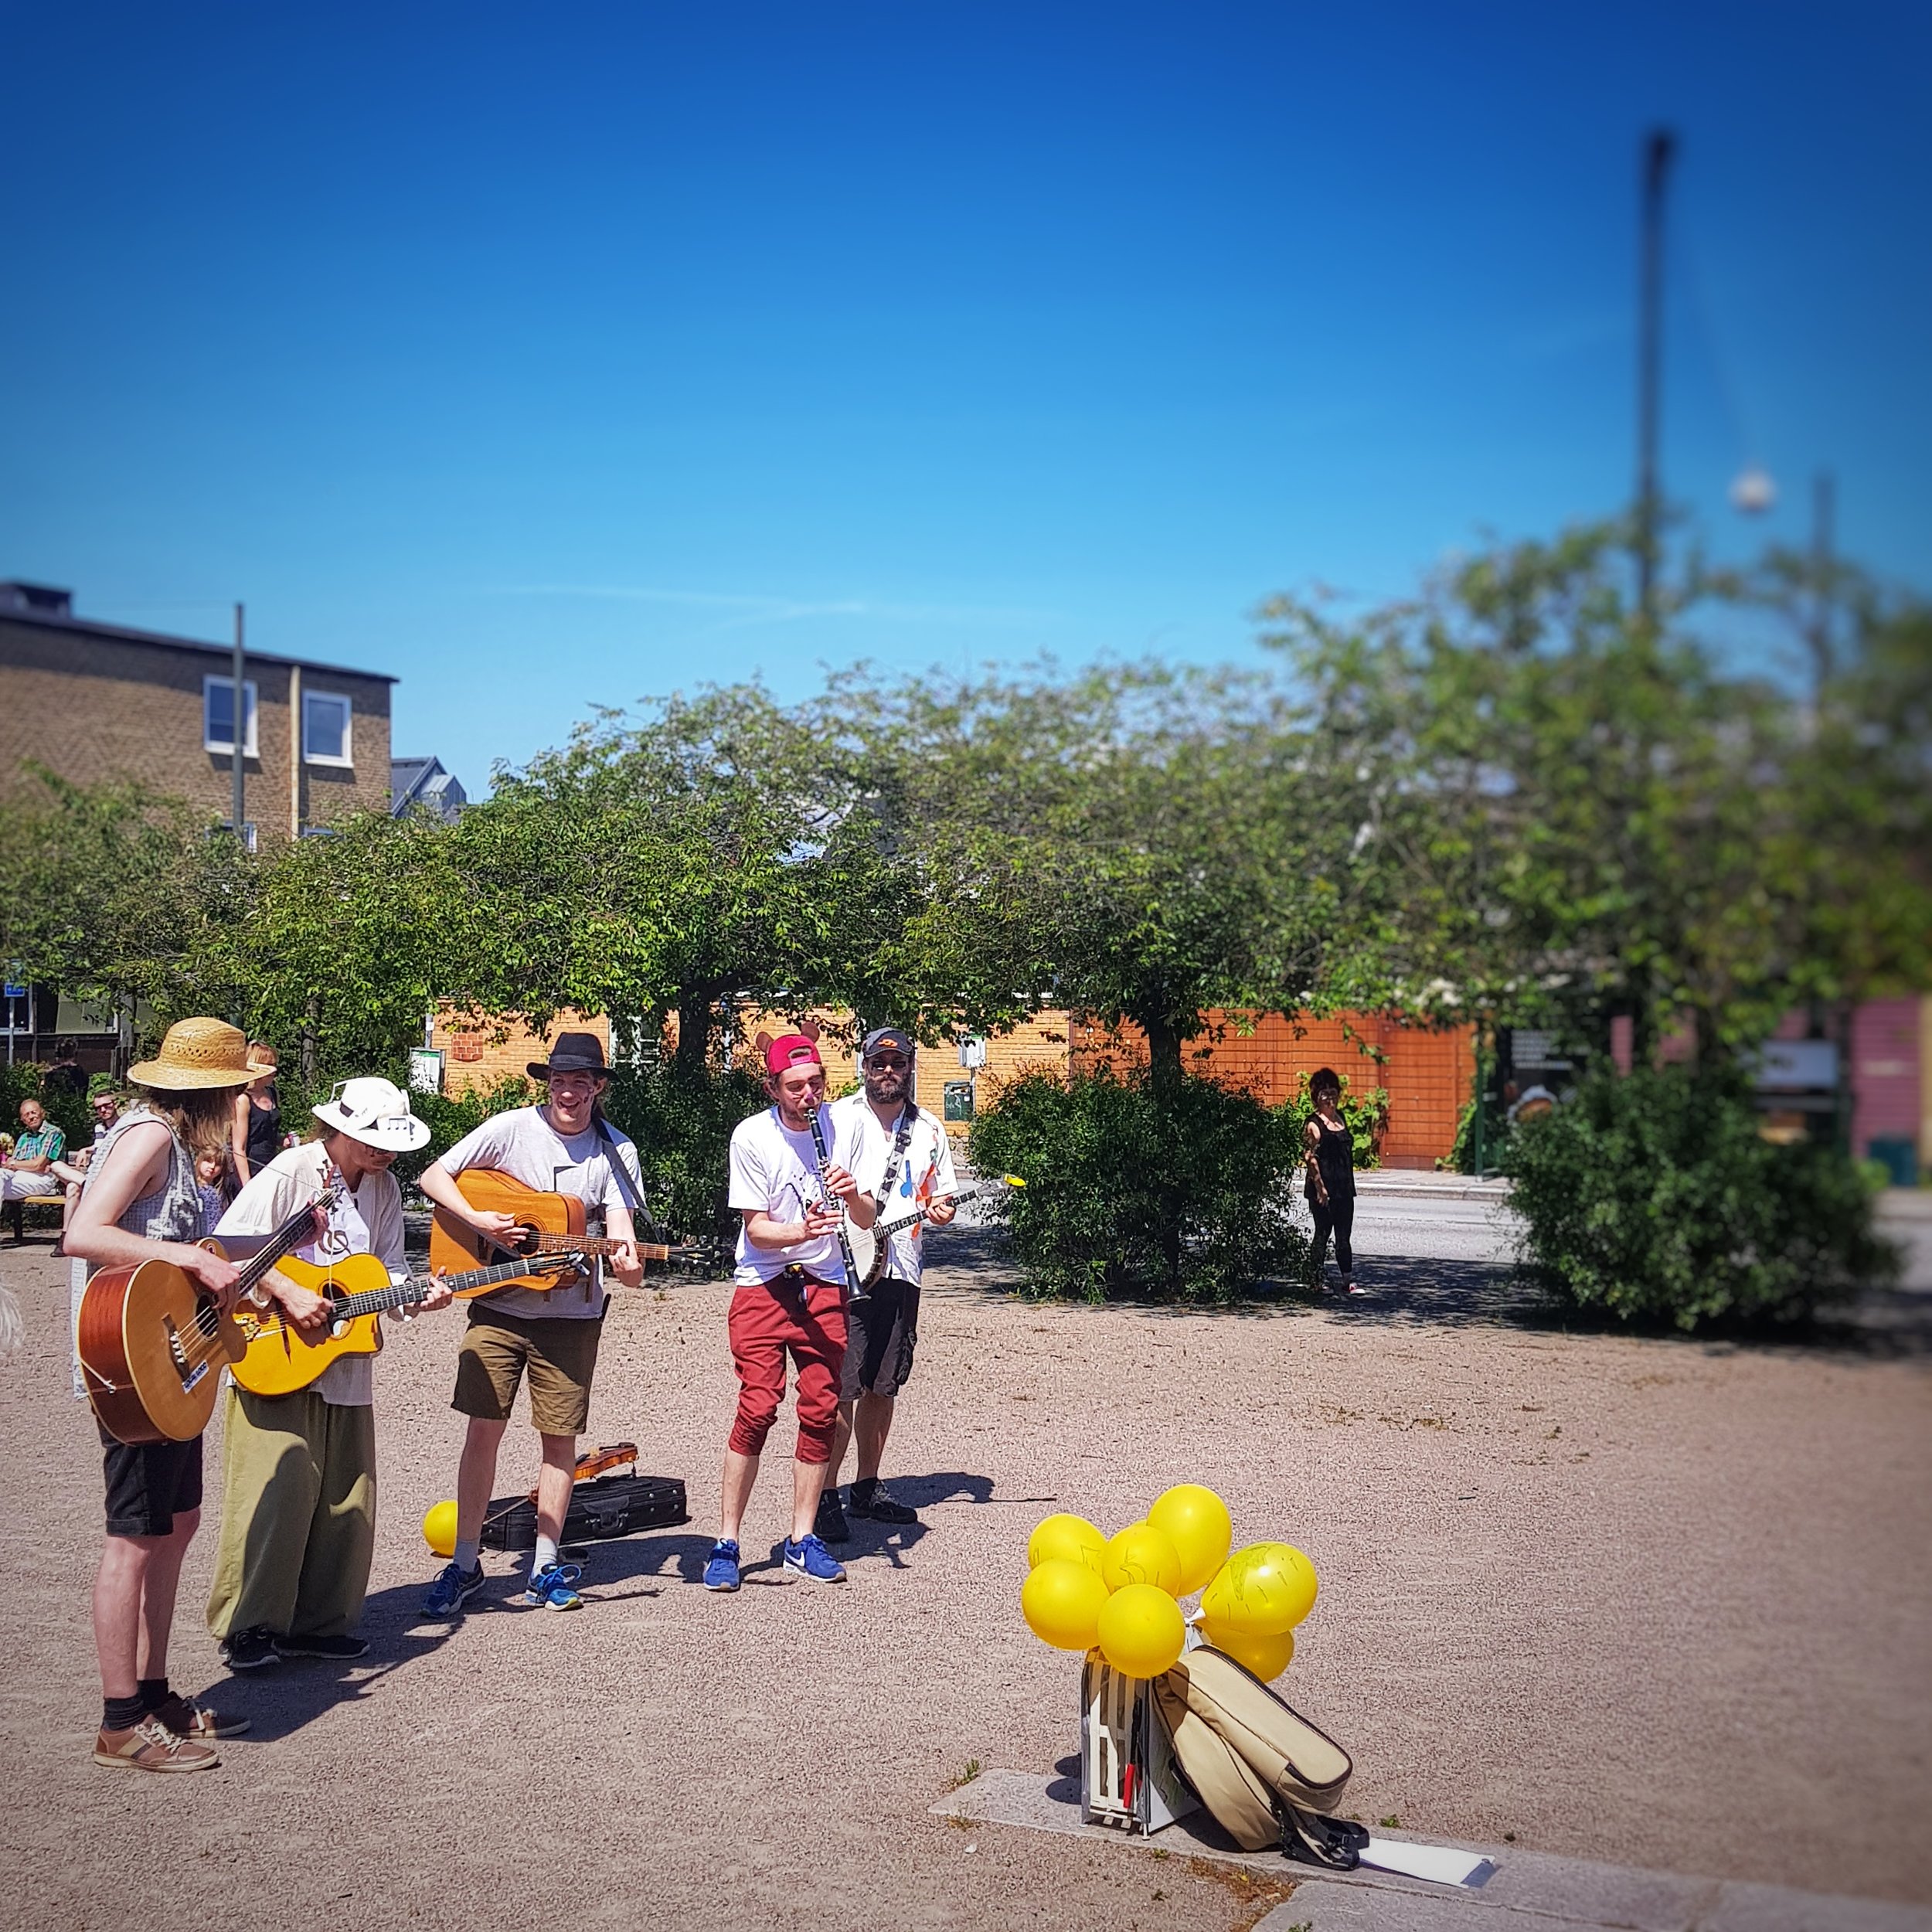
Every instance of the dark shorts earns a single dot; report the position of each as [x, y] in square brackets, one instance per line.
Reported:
[149, 1484]
[558, 1356]
[882, 1331]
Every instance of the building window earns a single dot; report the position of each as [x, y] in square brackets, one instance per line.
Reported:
[218, 717]
[248, 831]
[325, 719]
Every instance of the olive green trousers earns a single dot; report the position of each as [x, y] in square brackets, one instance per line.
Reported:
[298, 1515]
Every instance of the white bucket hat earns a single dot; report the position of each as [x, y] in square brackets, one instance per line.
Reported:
[374, 1111]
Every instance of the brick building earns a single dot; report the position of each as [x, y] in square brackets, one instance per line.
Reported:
[93, 702]
[1428, 1075]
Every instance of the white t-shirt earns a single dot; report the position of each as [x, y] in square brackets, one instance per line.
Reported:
[776, 1170]
[369, 1221]
[925, 1173]
[523, 1145]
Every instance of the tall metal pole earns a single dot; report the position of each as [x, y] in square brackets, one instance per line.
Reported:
[1659, 148]
[1824, 515]
[240, 732]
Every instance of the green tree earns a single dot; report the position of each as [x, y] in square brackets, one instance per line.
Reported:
[1580, 811]
[116, 894]
[1142, 842]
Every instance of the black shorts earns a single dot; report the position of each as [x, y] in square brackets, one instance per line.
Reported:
[882, 1331]
[149, 1484]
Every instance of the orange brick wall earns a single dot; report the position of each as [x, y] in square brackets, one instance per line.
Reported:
[1429, 1076]
[473, 1056]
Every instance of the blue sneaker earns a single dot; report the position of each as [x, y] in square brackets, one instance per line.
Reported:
[809, 1557]
[451, 1590]
[550, 1588]
[722, 1572]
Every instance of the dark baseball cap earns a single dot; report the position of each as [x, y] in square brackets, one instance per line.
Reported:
[886, 1037]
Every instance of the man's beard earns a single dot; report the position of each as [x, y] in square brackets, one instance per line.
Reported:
[887, 1088]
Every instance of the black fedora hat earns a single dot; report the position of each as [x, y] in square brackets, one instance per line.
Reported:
[571, 1053]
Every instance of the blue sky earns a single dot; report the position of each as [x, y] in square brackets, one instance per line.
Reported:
[550, 357]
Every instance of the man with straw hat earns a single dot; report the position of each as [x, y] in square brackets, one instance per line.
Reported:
[298, 1470]
[141, 1203]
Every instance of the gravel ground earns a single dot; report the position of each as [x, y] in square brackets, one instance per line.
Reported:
[1641, 1599]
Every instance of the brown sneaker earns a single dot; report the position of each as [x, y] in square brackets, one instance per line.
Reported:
[151, 1746]
[196, 1722]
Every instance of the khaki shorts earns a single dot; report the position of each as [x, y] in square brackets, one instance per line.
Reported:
[559, 1357]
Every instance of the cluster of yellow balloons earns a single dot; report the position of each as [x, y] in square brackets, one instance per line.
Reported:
[1120, 1593]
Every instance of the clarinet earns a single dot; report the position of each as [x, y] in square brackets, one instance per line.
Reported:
[853, 1292]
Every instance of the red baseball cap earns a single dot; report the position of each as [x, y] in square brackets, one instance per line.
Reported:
[791, 1050]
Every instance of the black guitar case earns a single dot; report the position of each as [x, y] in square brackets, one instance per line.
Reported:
[618, 1504]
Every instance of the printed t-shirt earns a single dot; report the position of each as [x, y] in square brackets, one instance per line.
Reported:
[369, 1221]
[776, 1170]
[925, 1174]
[523, 1145]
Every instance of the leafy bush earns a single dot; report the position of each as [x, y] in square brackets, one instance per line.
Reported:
[682, 1126]
[1365, 1115]
[1655, 1196]
[1129, 1194]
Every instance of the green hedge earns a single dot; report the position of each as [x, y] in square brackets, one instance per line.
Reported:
[1655, 1197]
[1117, 1181]
[682, 1126]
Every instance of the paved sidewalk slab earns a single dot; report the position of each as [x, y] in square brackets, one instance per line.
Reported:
[1528, 1891]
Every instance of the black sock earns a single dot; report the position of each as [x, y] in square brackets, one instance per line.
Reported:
[122, 1713]
[862, 1489]
[154, 1692]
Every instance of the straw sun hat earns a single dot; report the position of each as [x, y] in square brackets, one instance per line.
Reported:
[196, 1054]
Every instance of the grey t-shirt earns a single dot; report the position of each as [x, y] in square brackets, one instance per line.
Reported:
[524, 1145]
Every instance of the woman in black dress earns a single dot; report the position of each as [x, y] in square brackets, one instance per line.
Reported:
[255, 1137]
[1330, 1187]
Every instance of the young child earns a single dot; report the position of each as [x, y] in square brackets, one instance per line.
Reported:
[212, 1176]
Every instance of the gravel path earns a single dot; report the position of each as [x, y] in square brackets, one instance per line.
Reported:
[1645, 1600]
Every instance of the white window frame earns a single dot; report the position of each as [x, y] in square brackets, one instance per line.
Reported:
[251, 716]
[348, 759]
[248, 837]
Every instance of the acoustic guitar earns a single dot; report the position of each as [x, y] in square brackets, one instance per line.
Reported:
[280, 1359]
[548, 1224]
[151, 1338]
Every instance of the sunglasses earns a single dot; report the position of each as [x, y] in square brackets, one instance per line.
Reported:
[889, 1063]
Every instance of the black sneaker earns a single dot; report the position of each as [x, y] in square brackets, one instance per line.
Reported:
[337, 1650]
[830, 1525]
[251, 1649]
[880, 1508]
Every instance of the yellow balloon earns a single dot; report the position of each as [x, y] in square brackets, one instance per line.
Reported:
[1071, 1537]
[439, 1528]
[1141, 1632]
[1142, 1554]
[1264, 1590]
[1197, 1523]
[1267, 1657]
[1061, 1601]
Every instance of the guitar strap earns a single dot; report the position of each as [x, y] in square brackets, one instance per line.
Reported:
[632, 1195]
[908, 1120]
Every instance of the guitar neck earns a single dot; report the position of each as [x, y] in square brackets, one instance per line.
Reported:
[881, 1229]
[291, 1234]
[406, 1294]
[577, 1244]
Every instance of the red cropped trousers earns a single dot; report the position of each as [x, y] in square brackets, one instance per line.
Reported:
[807, 1317]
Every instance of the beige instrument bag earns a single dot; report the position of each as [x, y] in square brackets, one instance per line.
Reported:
[1247, 1756]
